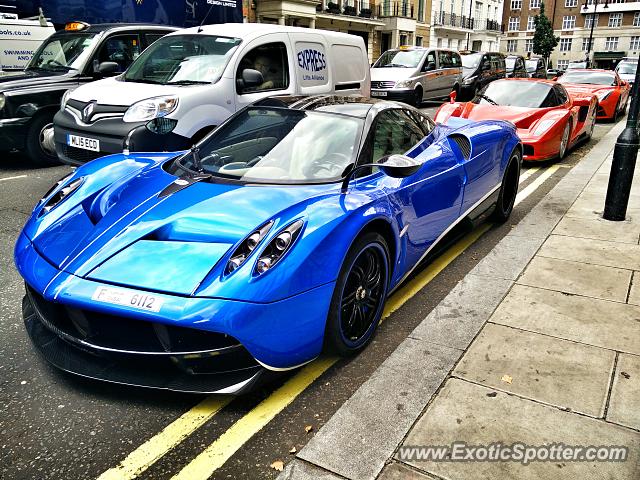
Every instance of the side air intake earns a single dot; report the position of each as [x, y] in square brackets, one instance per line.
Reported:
[463, 144]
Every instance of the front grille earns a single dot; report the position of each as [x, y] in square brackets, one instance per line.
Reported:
[528, 150]
[99, 111]
[463, 144]
[380, 84]
[80, 155]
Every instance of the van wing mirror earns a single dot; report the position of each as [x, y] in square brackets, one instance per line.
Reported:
[250, 78]
[106, 69]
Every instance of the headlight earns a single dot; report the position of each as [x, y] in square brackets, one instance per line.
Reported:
[2, 101]
[469, 80]
[65, 98]
[543, 126]
[280, 245]
[404, 84]
[151, 108]
[247, 246]
[61, 194]
[603, 94]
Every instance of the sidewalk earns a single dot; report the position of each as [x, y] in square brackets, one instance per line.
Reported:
[539, 344]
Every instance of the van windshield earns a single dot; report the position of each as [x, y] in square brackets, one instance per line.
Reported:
[471, 61]
[183, 60]
[400, 58]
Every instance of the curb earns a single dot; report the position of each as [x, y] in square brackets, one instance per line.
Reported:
[358, 440]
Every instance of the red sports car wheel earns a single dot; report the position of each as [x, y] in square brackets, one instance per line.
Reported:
[564, 141]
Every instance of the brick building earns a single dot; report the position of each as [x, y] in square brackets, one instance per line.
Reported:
[616, 31]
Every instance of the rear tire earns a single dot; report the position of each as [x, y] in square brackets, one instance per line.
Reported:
[359, 296]
[37, 142]
[508, 189]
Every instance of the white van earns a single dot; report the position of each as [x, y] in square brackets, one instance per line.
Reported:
[190, 81]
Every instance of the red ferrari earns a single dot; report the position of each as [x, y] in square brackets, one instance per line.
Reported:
[611, 90]
[548, 119]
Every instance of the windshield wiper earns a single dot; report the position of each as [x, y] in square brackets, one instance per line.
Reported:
[188, 82]
[140, 80]
[393, 65]
[488, 99]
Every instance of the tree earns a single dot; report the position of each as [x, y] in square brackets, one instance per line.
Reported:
[544, 41]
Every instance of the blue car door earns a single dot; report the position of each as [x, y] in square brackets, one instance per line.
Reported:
[429, 201]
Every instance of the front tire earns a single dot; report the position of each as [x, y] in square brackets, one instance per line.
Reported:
[417, 97]
[564, 141]
[359, 296]
[39, 145]
[508, 189]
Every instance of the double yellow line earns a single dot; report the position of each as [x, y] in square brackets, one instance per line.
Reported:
[217, 453]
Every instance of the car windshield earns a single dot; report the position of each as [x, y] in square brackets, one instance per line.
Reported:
[471, 61]
[278, 145]
[61, 53]
[511, 62]
[400, 58]
[627, 68]
[532, 65]
[591, 78]
[183, 59]
[514, 93]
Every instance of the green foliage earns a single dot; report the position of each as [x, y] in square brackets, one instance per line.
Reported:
[544, 41]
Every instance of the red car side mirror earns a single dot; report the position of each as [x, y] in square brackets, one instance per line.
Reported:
[452, 97]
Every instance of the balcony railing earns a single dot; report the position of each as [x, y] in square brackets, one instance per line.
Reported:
[398, 8]
[352, 8]
[494, 26]
[445, 19]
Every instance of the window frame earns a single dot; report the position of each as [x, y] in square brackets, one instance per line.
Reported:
[286, 69]
[568, 22]
[565, 44]
[615, 20]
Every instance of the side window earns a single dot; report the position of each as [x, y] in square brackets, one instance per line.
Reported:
[519, 64]
[395, 133]
[561, 94]
[443, 58]
[122, 49]
[425, 124]
[455, 60]
[152, 37]
[269, 59]
[551, 100]
[431, 58]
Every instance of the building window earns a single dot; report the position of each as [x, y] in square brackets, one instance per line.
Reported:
[634, 44]
[528, 45]
[589, 19]
[531, 23]
[565, 44]
[611, 43]
[512, 46]
[636, 19]
[568, 22]
[418, 41]
[516, 4]
[615, 20]
[563, 64]
[421, 10]
[570, 3]
[403, 39]
[585, 44]
[514, 24]
[534, 4]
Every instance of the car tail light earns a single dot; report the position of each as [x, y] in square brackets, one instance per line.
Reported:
[278, 246]
[248, 245]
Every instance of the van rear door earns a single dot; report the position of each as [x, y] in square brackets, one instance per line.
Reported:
[313, 70]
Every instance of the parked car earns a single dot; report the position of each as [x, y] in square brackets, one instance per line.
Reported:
[553, 73]
[626, 70]
[193, 80]
[612, 92]
[415, 74]
[479, 69]
[280, 235]
[536, 67]
[549, 120]
[516, 67]
[74, 56]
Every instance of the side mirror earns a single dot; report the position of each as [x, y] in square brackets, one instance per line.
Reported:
[452, 96]
[486, 67]
[430, 66]
[398, 166]
[251, 78]
[106, 69]
[554, 78]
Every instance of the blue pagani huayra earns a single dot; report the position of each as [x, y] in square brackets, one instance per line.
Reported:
[279, 235]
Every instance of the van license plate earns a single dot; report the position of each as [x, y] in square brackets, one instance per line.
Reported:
[128, 298]
[83, 142]
[378, 94]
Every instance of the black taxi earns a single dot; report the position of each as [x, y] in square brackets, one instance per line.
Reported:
[80, 53]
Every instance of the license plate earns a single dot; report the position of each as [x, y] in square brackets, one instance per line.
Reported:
[128, 298]
[378, 94]
[83, 142]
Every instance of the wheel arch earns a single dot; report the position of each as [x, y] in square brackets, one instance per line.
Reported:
[383, 227]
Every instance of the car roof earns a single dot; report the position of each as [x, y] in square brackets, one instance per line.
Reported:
[593, 70]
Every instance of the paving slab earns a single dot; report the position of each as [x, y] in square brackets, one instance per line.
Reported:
[478, 415]
[624, 406]
[599, 229]
[546, 369]
[462, 313]
[398, 471]
[509, 257]
[634, 292]
[596, 281]
[601, 323]
[596, 252]
[586, 207]
[301, 470]
[376, 418]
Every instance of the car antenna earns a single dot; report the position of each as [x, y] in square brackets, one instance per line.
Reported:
[205, 18]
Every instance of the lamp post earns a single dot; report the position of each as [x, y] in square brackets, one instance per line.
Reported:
[593, 23]
[624, 161]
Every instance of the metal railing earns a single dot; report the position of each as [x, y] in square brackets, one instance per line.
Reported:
[352, 8]
[397, 8]
[494, 26]
[452, 20]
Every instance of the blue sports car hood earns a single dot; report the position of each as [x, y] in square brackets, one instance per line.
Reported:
[124, 232]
